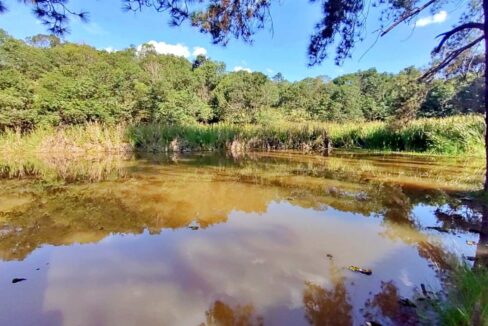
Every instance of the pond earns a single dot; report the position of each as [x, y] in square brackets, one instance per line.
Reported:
[209, 239]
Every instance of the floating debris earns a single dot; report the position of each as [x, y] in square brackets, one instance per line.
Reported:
[17, 280]
[471, 243]
[194, 226]
[372, 323]
[329, 256]
[438, 229]
[407, 303]
[364, 271]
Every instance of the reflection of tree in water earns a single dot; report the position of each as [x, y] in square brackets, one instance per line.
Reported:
[333, 307]
[435, 253]
[468, 216]
[482, 249]
[386, 309]
[220, 314]
[397, 205]
[328, 306]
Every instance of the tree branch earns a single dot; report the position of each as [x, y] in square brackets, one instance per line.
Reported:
[449, 58]
[407, 15]
[453, 31]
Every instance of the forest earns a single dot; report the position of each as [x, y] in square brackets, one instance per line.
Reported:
[47, 82]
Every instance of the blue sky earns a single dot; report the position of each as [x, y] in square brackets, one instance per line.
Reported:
[283, 51]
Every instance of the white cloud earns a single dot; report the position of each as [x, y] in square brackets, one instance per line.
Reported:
[197, 50]
[110, 49]
[438, 18]
[178, 49]
[269, 70]
[239, 68]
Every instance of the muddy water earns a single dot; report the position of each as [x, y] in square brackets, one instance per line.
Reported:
[214, 240]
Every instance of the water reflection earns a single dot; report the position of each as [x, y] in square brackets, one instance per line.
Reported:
[106, 242]
[328, 306]
[223, 315]
[387, 306]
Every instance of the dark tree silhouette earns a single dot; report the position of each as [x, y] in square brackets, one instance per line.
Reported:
[342, 24]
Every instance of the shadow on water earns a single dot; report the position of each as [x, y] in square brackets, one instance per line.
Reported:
[262, 229]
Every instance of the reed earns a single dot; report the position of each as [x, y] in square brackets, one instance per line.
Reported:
[452, 135]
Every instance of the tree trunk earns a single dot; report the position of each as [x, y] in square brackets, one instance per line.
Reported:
[485, 29]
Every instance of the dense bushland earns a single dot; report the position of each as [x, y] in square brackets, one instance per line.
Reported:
[45, 82]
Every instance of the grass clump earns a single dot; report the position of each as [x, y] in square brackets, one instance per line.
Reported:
[467, 301]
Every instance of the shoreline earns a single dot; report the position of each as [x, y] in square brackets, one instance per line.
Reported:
[454, 136]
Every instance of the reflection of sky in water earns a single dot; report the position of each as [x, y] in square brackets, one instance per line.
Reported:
[174, 277]
[452, 241]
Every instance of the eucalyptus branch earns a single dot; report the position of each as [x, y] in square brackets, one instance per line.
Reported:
[407, 15]
[449, 58]
[447, 35]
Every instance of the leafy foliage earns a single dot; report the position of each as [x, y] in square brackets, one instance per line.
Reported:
[47, 82]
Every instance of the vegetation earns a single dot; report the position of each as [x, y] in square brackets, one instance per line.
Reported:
[467, 302]
[57, 96]
[44, 82]
[452, 135]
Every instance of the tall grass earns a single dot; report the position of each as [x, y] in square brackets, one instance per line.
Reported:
[453, 135]
[78, 139]
[222, 136]
[467, 301]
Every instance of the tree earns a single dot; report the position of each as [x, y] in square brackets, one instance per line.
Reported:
[278, 78]
[240, 95]
[44, 41]
[305, 99]
[407, 96]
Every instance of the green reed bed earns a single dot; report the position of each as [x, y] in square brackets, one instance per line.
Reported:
[453, 135]
[157, 138]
